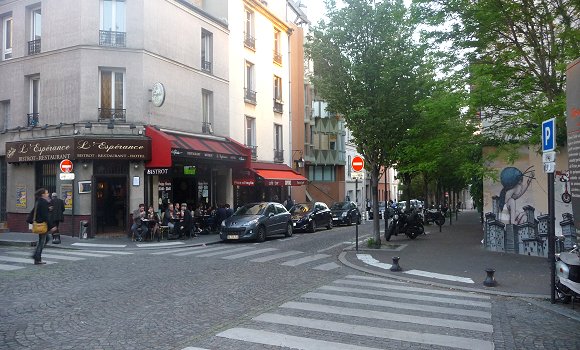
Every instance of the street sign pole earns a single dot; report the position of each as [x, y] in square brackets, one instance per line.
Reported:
[549, 158]
[356, 191]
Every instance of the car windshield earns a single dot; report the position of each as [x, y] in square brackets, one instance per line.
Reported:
[252, 209]
[301, 208]
[340, 205]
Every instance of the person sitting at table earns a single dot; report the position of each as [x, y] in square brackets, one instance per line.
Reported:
[169, 218]
[138, 216]
[153, 223]
[177, 212]
[197, 220]
[185, 219]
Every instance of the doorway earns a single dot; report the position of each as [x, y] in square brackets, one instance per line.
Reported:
[111, 205]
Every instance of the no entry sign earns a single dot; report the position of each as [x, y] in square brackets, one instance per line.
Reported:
[66, 166]
[358, 163]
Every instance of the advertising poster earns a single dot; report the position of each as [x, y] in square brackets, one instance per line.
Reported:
[20, 196]
[66, 193]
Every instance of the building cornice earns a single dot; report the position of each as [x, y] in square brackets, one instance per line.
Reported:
[257, 6]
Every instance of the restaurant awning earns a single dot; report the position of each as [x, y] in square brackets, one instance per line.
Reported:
[167, 145]
[270, 174]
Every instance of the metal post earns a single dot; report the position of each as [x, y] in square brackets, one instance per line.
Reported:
[356, 196]
[385, 212]
[551, 237]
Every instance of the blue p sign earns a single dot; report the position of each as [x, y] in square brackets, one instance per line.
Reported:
[549, 135]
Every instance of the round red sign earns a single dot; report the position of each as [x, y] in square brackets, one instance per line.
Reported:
[66, 166]
[358, 163]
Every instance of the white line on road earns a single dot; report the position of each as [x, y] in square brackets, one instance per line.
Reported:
[21, 260]
[333, 246]
[83, 253]
[99, 245]
[277, 256]
[5, 267]
[305, 260]
[52, 256]
[250, 253]
[214, 253]
[204, 249]
[327, 267]
[164, 244]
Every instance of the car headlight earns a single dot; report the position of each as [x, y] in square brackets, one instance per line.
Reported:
[253, 222]
[344, 214]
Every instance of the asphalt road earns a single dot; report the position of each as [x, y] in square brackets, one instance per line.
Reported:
[283, 293]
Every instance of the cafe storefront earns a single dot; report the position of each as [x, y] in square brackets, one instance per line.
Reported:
[192, 168]
[102, 188]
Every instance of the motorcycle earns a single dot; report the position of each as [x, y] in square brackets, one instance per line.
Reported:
[408, 222]
[434, 215]
[568, 275]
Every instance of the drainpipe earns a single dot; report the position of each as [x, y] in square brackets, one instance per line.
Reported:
[290, 106]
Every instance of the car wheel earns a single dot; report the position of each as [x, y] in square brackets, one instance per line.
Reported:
[312, 227]
[329, 226]
[261, 234]
[289, 229]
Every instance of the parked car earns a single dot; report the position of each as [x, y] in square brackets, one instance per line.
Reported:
[310, 216]
[256, 221]
[345, 213]
[381, 211]
[415, 203]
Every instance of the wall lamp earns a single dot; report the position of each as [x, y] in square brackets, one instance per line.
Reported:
[300, 161]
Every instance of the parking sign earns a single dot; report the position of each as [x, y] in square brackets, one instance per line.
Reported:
[549, 135]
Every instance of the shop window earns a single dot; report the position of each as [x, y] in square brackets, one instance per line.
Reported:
[46, 174]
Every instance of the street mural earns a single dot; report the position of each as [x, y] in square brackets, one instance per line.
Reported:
[515, 184]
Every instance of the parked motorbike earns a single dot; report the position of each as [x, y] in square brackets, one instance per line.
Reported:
[568, 275]
[434, 215]
[407, 222]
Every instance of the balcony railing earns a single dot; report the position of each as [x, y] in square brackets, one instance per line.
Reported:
[277, 57]
[110, 38]
[206, 128]
[112, 113]
[34, 47]
[254, 151]
[279, 155]
[32, 119]
[278, 106]
[249, 96]
[206, 66]
[249, 41]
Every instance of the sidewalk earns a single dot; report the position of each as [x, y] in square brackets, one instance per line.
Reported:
[103, 243]
[457, 255]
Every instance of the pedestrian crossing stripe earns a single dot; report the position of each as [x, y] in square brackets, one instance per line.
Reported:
[54, 256]
[5, 267]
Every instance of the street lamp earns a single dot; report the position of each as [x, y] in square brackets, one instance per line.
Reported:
[300, 161]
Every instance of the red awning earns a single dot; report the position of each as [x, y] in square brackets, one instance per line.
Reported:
[270, 175]
[167, 145]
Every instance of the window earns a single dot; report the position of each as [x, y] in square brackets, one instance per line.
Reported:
[348, 167]
[112, 31]
[46, 174]
[278, 103]
[277, 50]
[206, 50]
[35, 31]
[251, 135]
[249, 38]
[4, 114]
[321, 173]
[112, 94]
[278, 145]
[249, 92]
[207, 111]
[33, 108]
[7, 35]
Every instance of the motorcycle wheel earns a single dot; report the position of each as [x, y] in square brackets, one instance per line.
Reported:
[389, 231]
[561, 294]
[416, 231]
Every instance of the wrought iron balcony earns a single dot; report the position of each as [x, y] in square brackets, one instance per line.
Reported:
[279, 155]
[277, 57]
[206, 65]
[32, 119]
[112, 113]
[34, 47]
[249, 96]
[110, 38]
[278, 106]
[254, 151]
[249, 41]
[206, 128]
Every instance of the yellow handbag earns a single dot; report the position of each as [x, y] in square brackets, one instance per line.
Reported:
[38, 227]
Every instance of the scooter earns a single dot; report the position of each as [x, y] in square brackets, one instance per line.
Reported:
[434, 215]
[408, 222]
[568, 275]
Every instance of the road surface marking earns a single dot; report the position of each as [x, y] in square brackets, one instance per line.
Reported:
[95, 245]
[250, 253]
[305, 259]
[277, 256]
[327, 267]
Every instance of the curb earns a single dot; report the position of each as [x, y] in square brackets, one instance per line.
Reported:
[18, 243]
[344, 261]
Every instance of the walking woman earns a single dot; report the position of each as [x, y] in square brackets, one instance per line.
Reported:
[42, 215]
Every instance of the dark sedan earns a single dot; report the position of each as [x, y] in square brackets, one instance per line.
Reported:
[256, 221]
[345, 213]
[310, 216]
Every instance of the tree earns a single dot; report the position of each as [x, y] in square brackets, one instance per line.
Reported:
[368, 69]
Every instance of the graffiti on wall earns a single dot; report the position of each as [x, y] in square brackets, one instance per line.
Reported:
[515, 184]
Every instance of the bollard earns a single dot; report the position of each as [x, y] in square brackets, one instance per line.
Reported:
[489, 279]
[396, 266]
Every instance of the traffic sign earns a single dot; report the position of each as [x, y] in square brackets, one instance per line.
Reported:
[549, 156]
[549, 167]
[357, 163]
[357, 175]
[66, 166]
[67, 176]
[549, 135]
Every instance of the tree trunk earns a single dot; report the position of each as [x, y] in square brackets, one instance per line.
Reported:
[375, 171]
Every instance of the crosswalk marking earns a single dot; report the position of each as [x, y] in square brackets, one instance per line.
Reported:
[83, 253]
[389, 316]
[327, 267]
[372, 278]
[20, 260]
[277, 256]
[214, 253]
[399, 305]
[250, 253]
[196, 250]
[179, 250]
[411, 289]
[5, 267]
[305, 260]
[97, 245]
[408, 296]
[416, 337]
[52, 256]
[285, 340]
[114, 252]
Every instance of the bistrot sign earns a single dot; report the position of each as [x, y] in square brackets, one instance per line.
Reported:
[357, 163]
